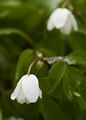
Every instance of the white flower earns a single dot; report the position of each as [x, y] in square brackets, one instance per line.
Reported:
[62, 19]
[27, 90]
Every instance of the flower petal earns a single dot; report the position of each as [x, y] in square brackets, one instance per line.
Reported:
[16, 91]
[50, 25]
[66, 29]
[59, 17]
[69, 25]
[31, 88]
[21, 97]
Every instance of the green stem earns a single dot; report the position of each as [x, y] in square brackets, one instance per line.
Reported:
[29, 69]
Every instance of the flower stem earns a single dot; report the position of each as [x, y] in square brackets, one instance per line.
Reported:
[29, 69]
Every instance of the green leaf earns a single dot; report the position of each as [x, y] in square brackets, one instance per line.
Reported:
[9, 31]
[47, 52]
[54, 78]
[82, 90]
[78, 41]
[82, 103]
[71, 81]
[56, 74]
[77, 58]
[26, 58]
[51, 109]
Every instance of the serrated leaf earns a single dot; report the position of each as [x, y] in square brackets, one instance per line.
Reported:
[71, 82]
[55, 75]
[50, 84]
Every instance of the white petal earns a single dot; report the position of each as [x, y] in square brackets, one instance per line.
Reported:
[31, 88]
[59, 17]
[16, 91]
[74, 23]
[21, 97]
[50, 25]
[69, 25]
[66, 29]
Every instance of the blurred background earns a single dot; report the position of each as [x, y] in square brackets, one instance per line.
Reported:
[22, 26]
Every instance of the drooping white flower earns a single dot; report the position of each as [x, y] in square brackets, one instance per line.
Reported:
[27, 90]
[62, 19]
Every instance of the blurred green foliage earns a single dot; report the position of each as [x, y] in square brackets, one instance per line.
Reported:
[22, 33]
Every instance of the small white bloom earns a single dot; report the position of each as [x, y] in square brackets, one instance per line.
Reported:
[62, 19]
[27, 90]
